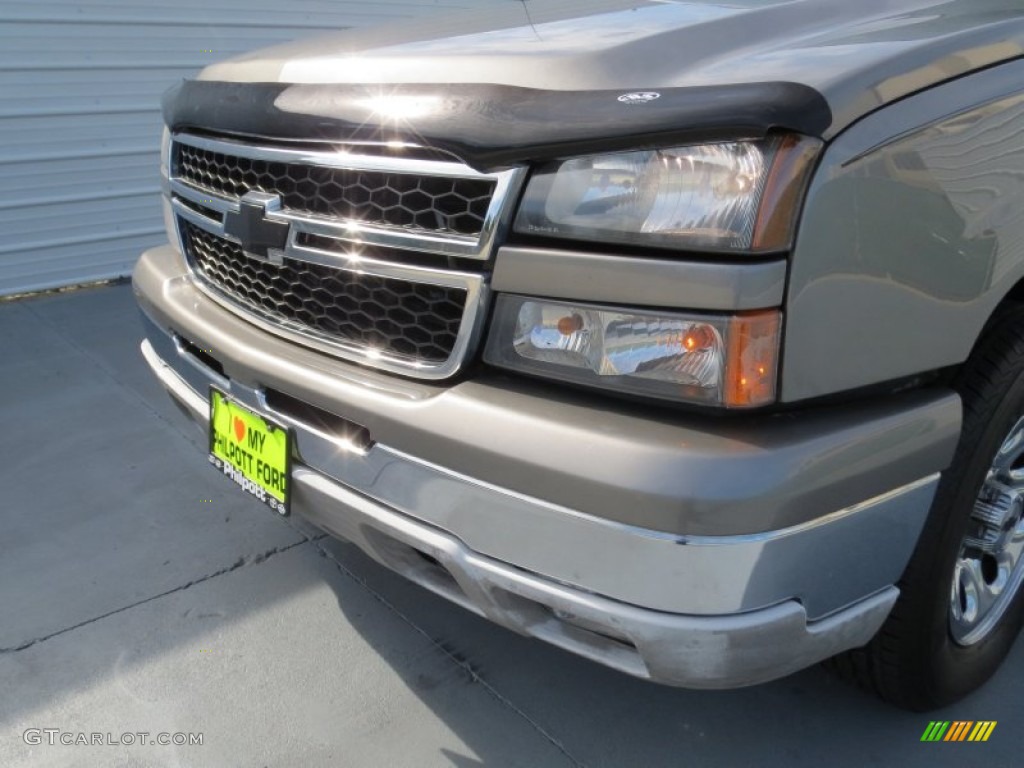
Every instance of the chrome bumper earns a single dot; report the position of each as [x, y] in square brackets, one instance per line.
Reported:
[692, 610]
[721, 651]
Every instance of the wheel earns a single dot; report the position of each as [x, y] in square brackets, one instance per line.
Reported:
[961, 604]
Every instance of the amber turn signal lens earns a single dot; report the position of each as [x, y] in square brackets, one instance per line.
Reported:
[570, 324]
[752, 359]
[784, 191]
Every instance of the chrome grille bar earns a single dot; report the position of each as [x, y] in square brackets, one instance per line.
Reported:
[352, 230]
[350, 247]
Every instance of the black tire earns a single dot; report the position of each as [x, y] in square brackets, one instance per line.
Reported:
[914, 661]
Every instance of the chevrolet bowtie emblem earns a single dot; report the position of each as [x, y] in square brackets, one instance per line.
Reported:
[261, 237]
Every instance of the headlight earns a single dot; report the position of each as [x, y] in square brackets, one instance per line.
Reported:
[738, 195]
[727, 360]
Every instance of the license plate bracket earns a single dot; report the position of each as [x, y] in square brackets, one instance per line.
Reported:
[252, 450]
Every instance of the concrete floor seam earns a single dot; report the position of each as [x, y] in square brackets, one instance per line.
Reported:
[462, 664]
[242, 562]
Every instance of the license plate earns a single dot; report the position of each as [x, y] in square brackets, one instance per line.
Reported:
[251, 450]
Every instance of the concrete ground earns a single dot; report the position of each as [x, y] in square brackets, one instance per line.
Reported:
[140, 591]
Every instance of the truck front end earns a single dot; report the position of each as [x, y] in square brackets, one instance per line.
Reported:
[533, 349]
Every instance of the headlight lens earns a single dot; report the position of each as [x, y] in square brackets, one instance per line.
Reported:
[711, 196]
[718, 360]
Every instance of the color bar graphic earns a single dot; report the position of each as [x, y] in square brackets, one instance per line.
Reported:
[960, 730]
[935, 731]
[982, 731]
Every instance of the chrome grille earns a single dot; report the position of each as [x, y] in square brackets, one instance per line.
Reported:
[426, 203]
[374, 254]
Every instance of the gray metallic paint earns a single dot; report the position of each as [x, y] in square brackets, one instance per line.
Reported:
[858, 55]
[722, 651]
[576, 519]
[912, 233]
[712, 652]
[557, 273]
[884, 251]
[657, 469]
[827, 564]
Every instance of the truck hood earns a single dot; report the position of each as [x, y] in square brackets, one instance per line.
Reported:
[857, 56]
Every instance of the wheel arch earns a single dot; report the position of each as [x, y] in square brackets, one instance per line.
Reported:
[912, 237]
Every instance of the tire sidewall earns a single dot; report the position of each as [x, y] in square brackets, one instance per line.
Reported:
[954, 670]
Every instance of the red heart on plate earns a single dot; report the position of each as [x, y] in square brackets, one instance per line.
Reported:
[239, 429]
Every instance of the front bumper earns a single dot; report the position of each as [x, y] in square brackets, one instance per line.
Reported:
[689, 606]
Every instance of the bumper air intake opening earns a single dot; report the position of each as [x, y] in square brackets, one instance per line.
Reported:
[318, 419]
[200, 355]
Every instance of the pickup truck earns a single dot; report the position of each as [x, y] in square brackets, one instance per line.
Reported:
[686, 336]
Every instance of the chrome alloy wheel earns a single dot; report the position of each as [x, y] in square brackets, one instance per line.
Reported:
[990, 567]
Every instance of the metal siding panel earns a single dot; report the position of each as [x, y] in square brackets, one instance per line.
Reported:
[27, 183]
[82, 219]
[79, 118]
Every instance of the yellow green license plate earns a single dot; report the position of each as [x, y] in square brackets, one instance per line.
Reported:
[251, 450]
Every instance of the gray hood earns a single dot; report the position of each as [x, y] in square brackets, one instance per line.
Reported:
[858, 54]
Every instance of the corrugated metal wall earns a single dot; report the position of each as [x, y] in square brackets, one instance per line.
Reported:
[79, 115]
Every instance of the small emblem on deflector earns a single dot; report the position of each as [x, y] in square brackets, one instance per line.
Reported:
[639, 97]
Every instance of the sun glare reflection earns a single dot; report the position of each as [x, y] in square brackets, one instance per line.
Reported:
[399, 106]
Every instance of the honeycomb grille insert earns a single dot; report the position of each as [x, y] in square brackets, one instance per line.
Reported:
[412, 321]
[410, 201]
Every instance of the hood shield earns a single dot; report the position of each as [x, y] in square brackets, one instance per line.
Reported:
[495, 126]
